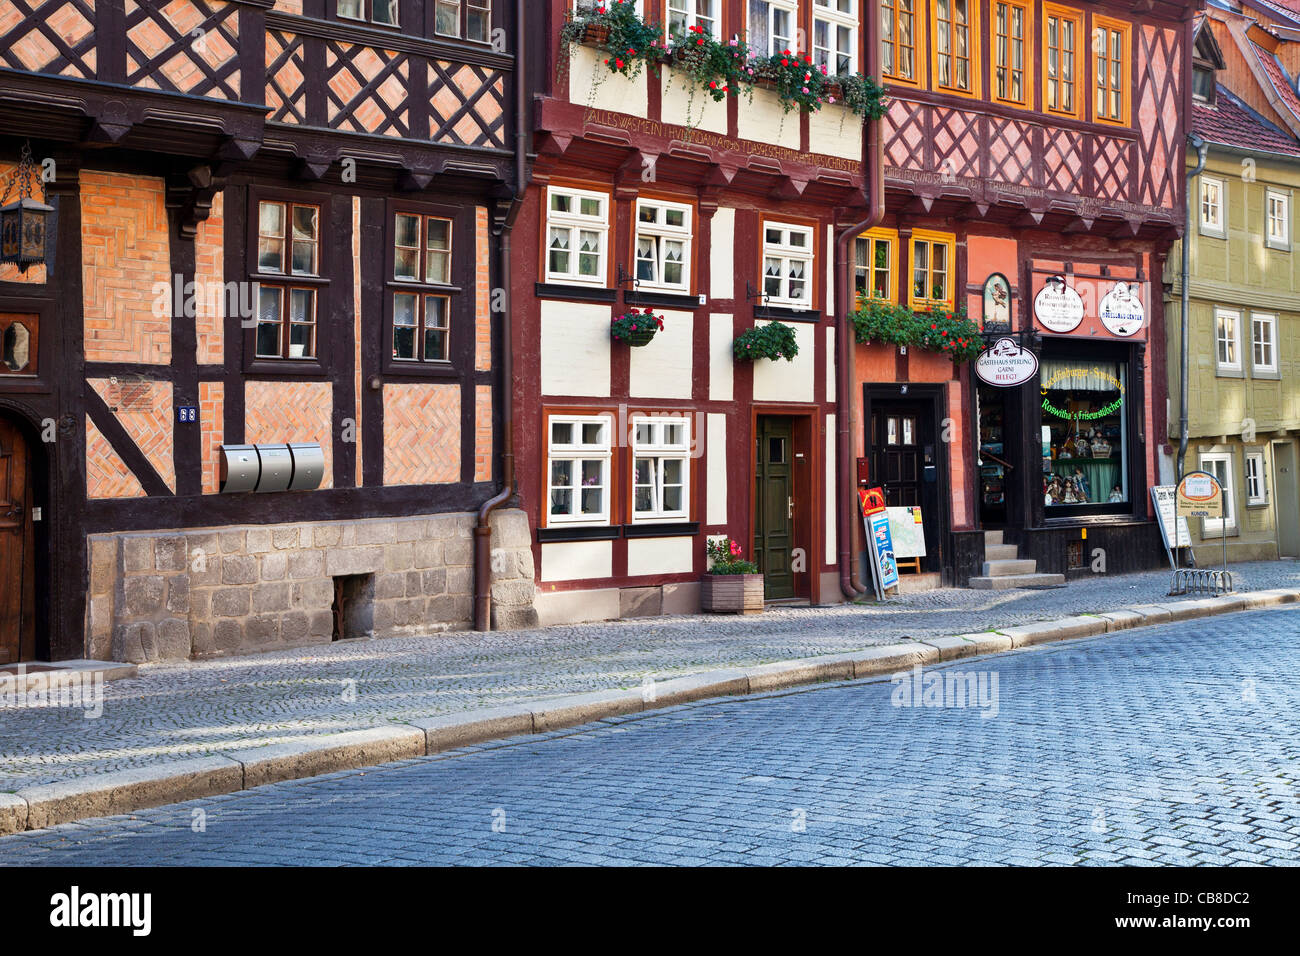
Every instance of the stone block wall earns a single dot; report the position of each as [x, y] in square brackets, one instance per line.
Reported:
[210, 592]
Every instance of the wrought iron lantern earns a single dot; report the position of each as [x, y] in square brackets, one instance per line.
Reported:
[23, 221]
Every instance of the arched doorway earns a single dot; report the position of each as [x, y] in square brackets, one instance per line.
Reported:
[17, 546]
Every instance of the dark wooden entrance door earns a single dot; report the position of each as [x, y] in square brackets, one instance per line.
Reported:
[774, 530]
[17, 552]
[897, 455]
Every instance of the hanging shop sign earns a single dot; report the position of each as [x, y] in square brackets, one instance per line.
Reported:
[1200, 496]
[997, 304]
[1122, 312]
[1006, 364]
[1058, 308]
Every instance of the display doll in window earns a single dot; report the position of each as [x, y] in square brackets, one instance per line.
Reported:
[1100, 447]
[1116, 495]
[1081, 485]
[1053, 494]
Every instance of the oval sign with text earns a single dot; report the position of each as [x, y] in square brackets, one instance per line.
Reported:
[1057, 307]
[1122, 312]
[1006, 364]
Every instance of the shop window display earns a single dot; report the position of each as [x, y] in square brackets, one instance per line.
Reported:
[1084, 439]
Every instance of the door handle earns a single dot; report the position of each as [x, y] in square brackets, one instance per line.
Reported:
[789, 507]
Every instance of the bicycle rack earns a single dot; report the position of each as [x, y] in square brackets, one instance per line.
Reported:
[1211, 581]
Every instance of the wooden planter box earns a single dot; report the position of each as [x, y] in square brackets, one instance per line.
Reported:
[596, 34]
[732, 593]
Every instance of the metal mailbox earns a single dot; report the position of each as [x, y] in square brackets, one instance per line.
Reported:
[240, 468]
[277, 467]
[308, 466]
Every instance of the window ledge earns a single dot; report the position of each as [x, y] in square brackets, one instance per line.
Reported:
[398, 368]
[575, 293]
[270, 366]
[786, 314]
[1221, 372]
[1277, 246]
[1267, 375]
[662, 529]
[604, 532]
[665, 300]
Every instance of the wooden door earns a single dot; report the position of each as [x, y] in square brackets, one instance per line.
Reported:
[896, 453]
[17, 554]
[774, 531]
[1286, 500]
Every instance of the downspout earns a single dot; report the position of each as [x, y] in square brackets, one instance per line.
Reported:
[483, 530]
[1202, 149]
[873, 188]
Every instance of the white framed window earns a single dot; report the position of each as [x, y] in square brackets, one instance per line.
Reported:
[1277, 216]
[663, 245]
[577, 236]
[684, 14]
[590, 6]
[787, 264]
[835, 35]
[1227, 339]
[1256, 488]
[772, 26]
[1219, 464]
[1263, 341]
[1213, 194]
[579, 453]
[661, 469]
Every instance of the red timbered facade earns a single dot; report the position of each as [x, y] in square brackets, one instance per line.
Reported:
[276, 223]
[1049, 158]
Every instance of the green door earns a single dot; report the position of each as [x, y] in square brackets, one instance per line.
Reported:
[774, 514]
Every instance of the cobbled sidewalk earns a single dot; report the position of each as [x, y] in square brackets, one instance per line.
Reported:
[176, 711]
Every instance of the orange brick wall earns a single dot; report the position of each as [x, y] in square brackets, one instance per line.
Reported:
[147, 420]
[34, 50]
[279, 412]
[209, 279]
[211, 430]
[483, 433]
[124, 256]
[35, 275]
[482, 293]
[106, 474]
[204, 53]
[421, 434]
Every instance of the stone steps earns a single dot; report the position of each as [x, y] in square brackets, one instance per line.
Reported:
[1006, 582]
[1001, 552]
[1008, 568]
[1005, 569]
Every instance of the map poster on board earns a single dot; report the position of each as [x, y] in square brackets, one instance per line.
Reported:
[1175, 536]
[907, 531]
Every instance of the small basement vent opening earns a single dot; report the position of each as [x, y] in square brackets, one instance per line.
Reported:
[354, 606]
[1074, 555]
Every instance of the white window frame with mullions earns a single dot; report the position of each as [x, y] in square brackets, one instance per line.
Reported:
[575, 224]
[582, 448]
[839, 21]
[1277, 220]
[658, 240]
[1214, 192]
[1256, 483]
[661, 465]
[1263, 342]
[766, 14]
[684, 14]
[1227, 340]
[589, 6]
[783, 250]
[1219, 464]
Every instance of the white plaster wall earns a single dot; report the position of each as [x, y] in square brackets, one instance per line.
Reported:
[663, 369]
[721, 364]
[763, 121]
[831, 503]
[591, 83]
[836, 131]
[575, 348]
[704, 113]
[577, 560]
[829, 384]
[660, 556]
[722, 257]
[782, 381]
[716, 470]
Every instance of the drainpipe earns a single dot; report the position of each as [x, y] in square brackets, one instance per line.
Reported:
[483, 530]
[873, 188]
[1202, 149]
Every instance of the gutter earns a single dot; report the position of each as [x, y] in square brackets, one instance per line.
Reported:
[873, 165]
[1203, 151]
[483, 529]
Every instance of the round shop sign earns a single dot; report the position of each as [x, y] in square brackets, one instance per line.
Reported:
[1006, 364]
[1057, 307]
[1199, 495]
[1121, 310]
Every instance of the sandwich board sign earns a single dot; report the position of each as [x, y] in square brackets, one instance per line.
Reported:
[880, 544]
[1173, 530]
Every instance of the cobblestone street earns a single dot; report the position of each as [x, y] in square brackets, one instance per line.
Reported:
[1171, 744]
[170, 712]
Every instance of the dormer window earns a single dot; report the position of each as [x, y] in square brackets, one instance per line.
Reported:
[1207, 60]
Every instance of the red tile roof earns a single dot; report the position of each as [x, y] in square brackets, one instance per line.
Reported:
[1230, 123]
[1278, 77]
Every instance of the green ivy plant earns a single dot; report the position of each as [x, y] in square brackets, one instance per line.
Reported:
[934, 330]
[776, 340]
[798, 82]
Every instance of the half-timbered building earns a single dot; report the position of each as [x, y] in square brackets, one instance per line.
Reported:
[1033, 165]
[250, 395]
